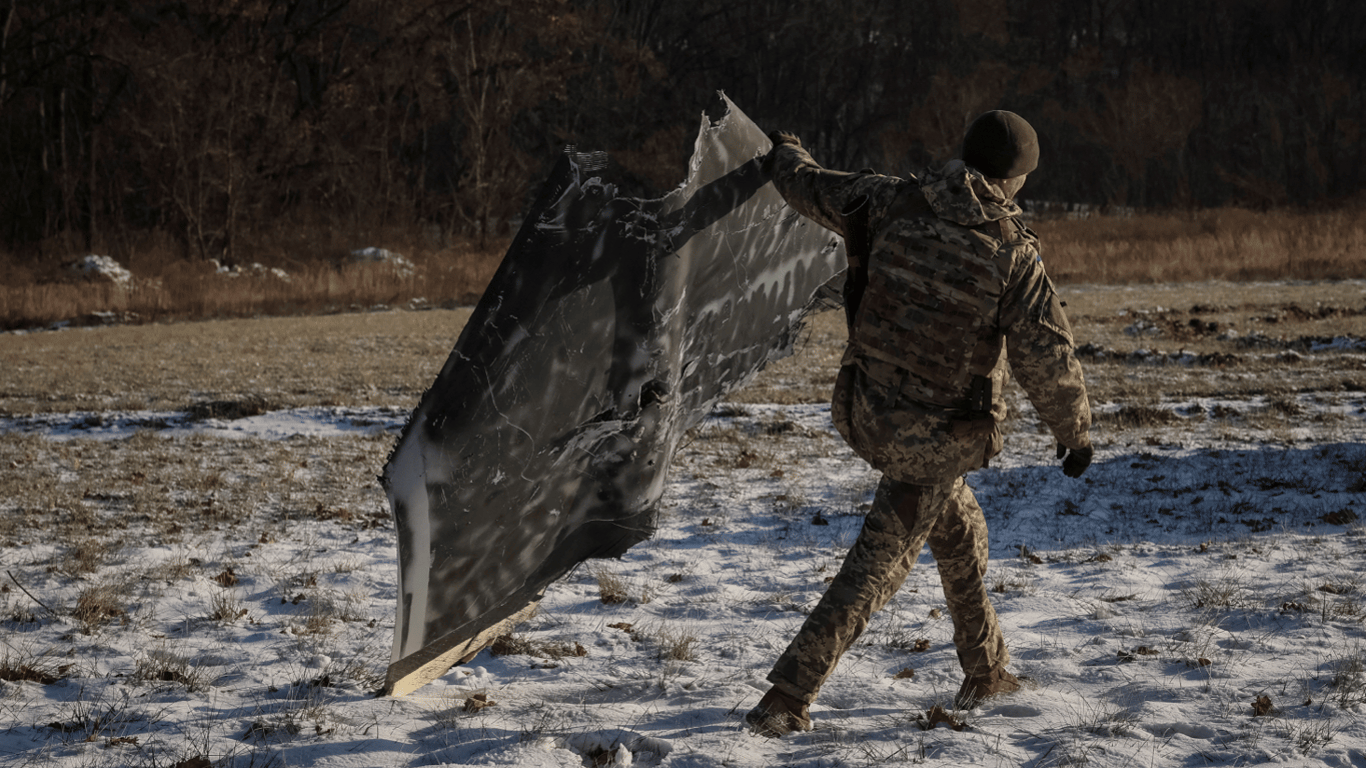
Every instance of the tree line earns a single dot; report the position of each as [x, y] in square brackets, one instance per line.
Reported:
[219, 123]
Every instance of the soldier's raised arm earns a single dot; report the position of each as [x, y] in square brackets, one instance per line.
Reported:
[820, 194]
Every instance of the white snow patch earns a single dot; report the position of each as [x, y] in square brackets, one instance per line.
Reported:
[98, 267]
[1179, 580]
[386, 258]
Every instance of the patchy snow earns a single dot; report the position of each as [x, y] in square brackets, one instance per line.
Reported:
[1199, 566]
[98, 267]
[318, 421]
[384, 257]
[252, 270]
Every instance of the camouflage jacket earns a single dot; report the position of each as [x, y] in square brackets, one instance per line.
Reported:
[956, 286]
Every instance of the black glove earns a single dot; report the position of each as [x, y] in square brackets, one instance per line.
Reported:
[1076, 461]
[778, 138]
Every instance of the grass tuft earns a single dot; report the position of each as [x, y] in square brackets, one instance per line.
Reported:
[1348, 683]
[515, 644]
[613, 590]
[161, 666]
[16, 668]
[99, 605]
[676, 645]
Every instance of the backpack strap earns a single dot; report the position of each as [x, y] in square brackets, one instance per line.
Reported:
[858, 245]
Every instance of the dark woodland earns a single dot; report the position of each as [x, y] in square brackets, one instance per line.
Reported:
[216, 124]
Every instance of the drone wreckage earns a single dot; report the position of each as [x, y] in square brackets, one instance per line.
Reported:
[613, 325]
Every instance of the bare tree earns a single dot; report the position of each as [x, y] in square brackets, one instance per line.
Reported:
[505, 58]
[1146, 116]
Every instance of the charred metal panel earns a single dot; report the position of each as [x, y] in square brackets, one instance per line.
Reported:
[612, 326]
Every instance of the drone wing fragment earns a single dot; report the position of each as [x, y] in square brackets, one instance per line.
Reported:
[612, 326]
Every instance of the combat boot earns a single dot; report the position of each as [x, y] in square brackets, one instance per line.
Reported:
[977, 689]
[778, 714]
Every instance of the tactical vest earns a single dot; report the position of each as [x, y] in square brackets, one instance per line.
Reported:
[927, 323]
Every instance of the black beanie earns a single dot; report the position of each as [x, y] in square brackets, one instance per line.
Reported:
[1001, 145]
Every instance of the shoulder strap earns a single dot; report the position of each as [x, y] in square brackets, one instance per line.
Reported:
[858, 240]
[858, 243]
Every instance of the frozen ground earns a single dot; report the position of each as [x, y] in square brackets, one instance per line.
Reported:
[1196, 599]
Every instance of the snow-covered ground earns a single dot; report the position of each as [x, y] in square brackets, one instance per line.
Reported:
[320, 421]
[1197, 598]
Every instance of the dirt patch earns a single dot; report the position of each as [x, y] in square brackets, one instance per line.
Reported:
[229, 409]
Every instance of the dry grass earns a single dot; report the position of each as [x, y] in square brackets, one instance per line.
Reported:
[87, 555]
[167, 289]
[226, 368]
[1223, 591]
[160, 665]
[677, 645]
[63, 495]
[1217, 244]
[389, 358]
[1137, 335]
[226, 607]
[517, 644]
[100, 604]
[1348, 684]
[613, 590]
[25, 666]
[173, 488]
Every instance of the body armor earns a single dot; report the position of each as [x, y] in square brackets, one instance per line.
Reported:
[926, 325]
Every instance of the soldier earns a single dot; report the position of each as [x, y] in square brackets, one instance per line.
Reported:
[944, 284]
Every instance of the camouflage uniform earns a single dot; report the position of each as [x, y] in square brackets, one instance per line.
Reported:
[955, 286]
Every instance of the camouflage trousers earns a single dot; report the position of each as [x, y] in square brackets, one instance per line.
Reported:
[902, 519]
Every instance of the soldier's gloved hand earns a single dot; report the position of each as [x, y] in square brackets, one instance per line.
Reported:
[1076, 460]
[778, 138]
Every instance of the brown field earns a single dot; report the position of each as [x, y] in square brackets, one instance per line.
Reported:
[1198, 246]
[1218, 244]
[1243, 338]
[344, 359]
[1249, 346]
[110, 546]
[89, 504]
[1161, 305]
[1258, 348]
